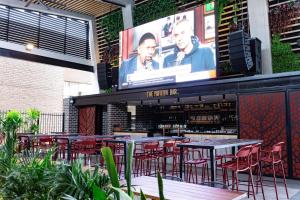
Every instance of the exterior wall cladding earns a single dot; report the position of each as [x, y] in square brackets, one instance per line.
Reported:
[25, 84]
[71, 117]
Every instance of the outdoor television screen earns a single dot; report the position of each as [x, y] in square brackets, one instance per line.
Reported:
[174, 49]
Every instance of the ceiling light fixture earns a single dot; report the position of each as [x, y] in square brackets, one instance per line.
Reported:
[29, 46]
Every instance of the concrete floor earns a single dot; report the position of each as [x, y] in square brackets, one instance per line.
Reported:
[269, 190]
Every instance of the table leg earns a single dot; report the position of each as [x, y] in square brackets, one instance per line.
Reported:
[212, 155]
[181, 162]
[69, 151]
[233, 150]
[125, 158]
[164, 167]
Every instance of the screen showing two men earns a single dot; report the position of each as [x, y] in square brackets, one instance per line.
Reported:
[174, 49]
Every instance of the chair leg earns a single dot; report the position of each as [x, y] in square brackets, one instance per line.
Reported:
[233, 180]
[275, 183]
[260, 180]
[252, 184]
[237, 181]
[284, 180]
[196, 173]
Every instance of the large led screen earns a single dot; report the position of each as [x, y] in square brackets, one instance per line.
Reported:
[178, 48]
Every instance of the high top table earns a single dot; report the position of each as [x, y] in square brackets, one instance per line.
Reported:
[212, 145]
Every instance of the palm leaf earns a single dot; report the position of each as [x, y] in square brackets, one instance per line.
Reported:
[111, 168]
[160, 187]
[129, 167]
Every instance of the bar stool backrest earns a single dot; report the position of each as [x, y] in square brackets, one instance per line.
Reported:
[151, 148]
[277, 152]
[243, 157]
[256, 154]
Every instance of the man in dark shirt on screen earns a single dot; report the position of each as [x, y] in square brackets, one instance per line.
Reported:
[143, 62]
[187, 50]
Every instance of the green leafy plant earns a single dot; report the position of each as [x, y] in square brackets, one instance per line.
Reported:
[72, 182]
[30, 178]
[32, 120]
[116, 187]
[283, 58]
[10, 124]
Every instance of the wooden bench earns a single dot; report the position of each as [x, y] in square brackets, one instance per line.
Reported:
[174, 190]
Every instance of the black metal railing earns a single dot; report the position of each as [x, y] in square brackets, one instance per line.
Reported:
[48, 122]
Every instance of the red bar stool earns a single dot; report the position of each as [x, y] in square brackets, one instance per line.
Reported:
[166, 152]
[176, 157]
[274, 158]
[23, 143]
[151, 153]
[195, 161]
[256, 167]
[85, 147]
[241, 163]
[62, 146]
[45, 143]
[118, 154]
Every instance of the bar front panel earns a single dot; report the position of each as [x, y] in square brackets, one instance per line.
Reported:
[294, 101]
[263, 116]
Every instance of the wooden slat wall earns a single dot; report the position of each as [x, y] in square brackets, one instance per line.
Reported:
[292, 35]
[223, 28]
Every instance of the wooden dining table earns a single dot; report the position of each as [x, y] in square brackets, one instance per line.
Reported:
[174, 190]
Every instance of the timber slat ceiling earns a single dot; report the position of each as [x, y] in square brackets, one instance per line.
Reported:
[87, 7]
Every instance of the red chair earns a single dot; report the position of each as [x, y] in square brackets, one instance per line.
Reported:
[175, 165]
[62, 146]
[166, 152]
[150, 153]
[45, 142]
[256, 166]
[23, 143]
[118, 154]
[274, 158]
[241, 163]
[85, 147]
[195, 161]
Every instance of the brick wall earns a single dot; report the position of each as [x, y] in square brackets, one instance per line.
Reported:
[71, 116]
[116, 115]
[25, 84]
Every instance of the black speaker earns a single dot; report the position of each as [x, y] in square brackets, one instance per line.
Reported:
[240, 52]
[115, 76]
[255, 45]
[104, 75]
